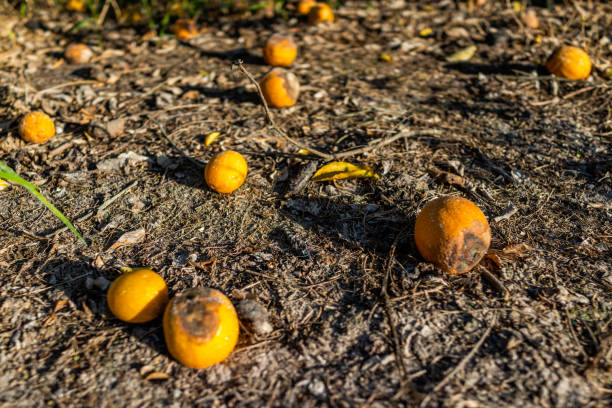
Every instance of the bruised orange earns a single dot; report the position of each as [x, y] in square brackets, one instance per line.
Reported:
[200, 327]
[184, 29]
[453, 233]
[78, 54]
[36, 127]
[304, 6]
[319, 13]
[569, 62]
[137, 296]
[226, 172]
[280, 50]
[280, 88]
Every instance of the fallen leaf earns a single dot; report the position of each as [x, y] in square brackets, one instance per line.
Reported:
[343, 170]
[518, 249]
[385, 57]
[3, 185]
[426, 32]
[530, 19]
[210, 138]
[447, 178]
[60, 304]
[157, 376]
[129, 238]
[463, 55]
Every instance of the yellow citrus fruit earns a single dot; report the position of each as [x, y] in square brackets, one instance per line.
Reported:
[137, 296]
[184, 29]
[453, 233]
[569, 62]
[280, 50]
[226, 172]
[36, 127]
[280, 88]
[78, 54]
[200, 327]
[304, 6]
[319, 13]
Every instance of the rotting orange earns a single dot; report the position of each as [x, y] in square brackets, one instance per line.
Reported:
[569, 62]
[319, 13]
[36, 127]
[304, 6]
[137, 296]
[226, 172]
[453, 233]
[280, 50]
[78, 54]
[200, 327]
[184, 29]
[280, 88]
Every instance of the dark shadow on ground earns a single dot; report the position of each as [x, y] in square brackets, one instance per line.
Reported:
[232, 55]
[492, 69]
[237, 94]
[92, 311]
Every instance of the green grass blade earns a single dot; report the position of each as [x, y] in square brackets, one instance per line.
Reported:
[8, 174]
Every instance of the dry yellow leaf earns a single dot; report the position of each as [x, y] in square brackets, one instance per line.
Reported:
[343, 170]
[385, 57]
[3, 185]
[517, 6]
[303, 152]
[211, 138]
[157, 376]
[426, 32]
[463, 55]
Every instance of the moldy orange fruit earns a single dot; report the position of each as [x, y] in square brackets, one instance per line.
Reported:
[453, 233]
[569, 62]
[78, 54]
[36, 127]
[184, 29]
[280, 50]
[304, 6]
[319, 13]
[280, 88]
[226, 172]
[201, 327]
[137, 296]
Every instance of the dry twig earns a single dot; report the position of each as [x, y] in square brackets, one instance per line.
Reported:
[461, 364]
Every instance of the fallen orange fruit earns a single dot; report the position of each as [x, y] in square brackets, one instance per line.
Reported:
[226, 172]
[453, 233]
[137, 296]
[36, 127]
[200, 327]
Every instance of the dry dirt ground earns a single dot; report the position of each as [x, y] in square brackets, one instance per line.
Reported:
[357, 320]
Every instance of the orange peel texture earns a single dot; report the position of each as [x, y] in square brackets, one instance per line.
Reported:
[304, 7]
[569, 62]
[453, 233]
[226, 172]
[184, 29]
[319, 13]
[36, 127]
[280, 88]
[78, 54]
[280, 50]
[200, 327]
[137, 296]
